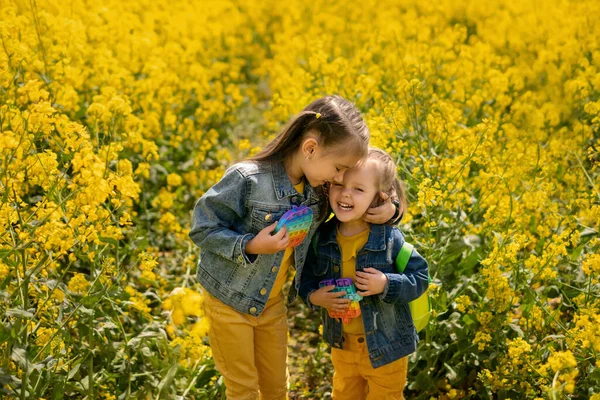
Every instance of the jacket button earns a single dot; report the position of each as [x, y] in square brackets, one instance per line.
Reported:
[361, 340]
[263, 291]
[253, 310]
[241, 259]
[336, 269]
[274, 269]
[268, 217]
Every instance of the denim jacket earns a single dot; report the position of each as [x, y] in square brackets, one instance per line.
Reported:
[388, 324]
[249, 197]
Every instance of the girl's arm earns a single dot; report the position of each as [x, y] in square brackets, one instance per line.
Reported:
[388, 213]
[216, 212]
[410, 284]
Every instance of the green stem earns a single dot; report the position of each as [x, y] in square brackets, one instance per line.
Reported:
[25, 292]
[91, 360]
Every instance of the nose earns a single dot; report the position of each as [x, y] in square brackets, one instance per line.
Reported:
[339, 177]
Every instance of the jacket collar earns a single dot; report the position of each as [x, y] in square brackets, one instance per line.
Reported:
[284, 188]
[376, 241]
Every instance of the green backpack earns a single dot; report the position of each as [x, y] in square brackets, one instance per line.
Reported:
[420, 308]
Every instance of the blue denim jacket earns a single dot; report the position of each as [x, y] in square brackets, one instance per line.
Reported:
[249, 197]
[389, 328]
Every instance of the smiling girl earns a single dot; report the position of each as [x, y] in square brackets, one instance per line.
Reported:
[369, 353]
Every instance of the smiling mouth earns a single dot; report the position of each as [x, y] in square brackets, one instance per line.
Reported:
[345, 206]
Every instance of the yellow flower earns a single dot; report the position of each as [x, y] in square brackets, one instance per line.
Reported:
[174, 180]
[562, 360]
[482, 339]
[58, 295]
[591, 266]
[78, 284]
[462, 303]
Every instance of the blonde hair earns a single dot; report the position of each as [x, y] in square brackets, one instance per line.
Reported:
[388, 178]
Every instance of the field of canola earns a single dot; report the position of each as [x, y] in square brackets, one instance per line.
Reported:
[116, 116]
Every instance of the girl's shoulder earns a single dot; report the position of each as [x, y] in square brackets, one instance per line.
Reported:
[248, 167]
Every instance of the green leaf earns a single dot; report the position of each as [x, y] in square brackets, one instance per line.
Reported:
[423, 381]
[166, 381]
[74, 370]
[109, 240]
[20, 357]
[468, 320]
[451, 375]
[16, 312]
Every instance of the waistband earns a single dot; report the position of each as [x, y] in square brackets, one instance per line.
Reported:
[355, 342]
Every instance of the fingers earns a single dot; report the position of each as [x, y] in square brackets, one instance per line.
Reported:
[281, 238]
[270, 228]
[283, 242]
[279, 235]
[364, 276]
[384, 196]
[368, 270]
[335, 295]
[365, 293]
[328, 288]
[338, 306]
[361, 280]
[340, 302]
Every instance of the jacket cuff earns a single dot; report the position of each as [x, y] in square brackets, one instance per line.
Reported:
[242, 257]
[388, 290]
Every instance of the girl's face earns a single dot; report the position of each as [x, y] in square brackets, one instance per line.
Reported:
[351, 198]
[327, 166]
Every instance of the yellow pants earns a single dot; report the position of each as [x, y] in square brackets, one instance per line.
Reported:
[354, 377]
[250, 352]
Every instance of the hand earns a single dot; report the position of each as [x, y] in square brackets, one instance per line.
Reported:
[370, 281]
[324, 297]
[383, 213]
[265, 243]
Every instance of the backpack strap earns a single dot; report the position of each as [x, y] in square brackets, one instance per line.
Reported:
[404, 256]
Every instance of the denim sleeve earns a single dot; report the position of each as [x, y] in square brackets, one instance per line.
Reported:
[214, 215]
[410, 284]
[309, 282]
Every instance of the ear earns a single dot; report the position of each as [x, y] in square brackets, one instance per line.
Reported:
[310, 146]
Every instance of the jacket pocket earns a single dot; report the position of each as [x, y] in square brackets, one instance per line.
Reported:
[264, 215]
[320, 268]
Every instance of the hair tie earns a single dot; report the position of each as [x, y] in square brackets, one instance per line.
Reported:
[318, 115]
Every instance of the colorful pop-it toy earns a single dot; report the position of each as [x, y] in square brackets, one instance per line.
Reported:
[346, 285]
[297, 221]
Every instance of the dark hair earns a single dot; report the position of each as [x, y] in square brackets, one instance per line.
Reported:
[334, 119]
[388, 177]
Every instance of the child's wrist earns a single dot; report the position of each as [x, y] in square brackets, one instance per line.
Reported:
[310, 300]
[249, 249]
[397, 214]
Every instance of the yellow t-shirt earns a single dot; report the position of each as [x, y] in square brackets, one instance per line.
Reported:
[287, 261]
[350, 245]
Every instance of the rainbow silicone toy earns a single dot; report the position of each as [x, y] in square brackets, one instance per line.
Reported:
[344, 284]
[297, 221]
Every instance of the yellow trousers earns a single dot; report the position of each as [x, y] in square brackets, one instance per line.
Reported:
[355, 379]
[250, 352]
